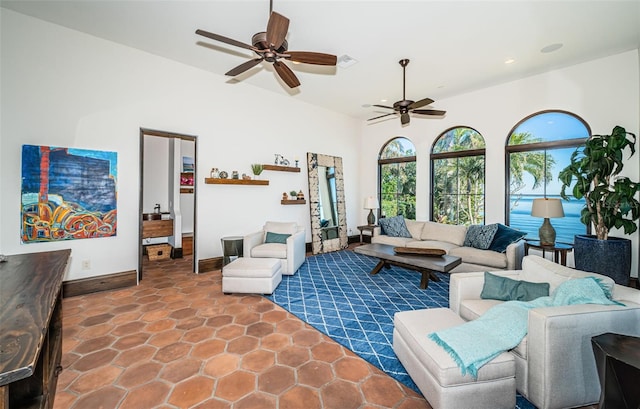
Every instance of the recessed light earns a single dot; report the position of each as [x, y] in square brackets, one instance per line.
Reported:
[551, 48]
[383, 100]
[509, 61]
[366, 105]
[345, 61]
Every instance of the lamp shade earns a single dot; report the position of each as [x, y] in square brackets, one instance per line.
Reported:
[547, 208]
[371, 203]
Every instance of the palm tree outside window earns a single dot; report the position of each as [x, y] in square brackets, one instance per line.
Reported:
[538, 147]
[397, 179]
[458, 177]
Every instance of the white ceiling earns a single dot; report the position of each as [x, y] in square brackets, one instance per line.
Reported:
[454, 46]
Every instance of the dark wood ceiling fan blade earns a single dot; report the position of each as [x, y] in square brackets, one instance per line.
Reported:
[286, 74]
[243, 67]
[428, 112]
[227, 40]
[381, 116]
[421, 103]
[404, 118]
[383, 106]
[308, 57]
[277, 29]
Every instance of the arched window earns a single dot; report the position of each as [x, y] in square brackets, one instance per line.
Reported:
[538, 148]
[457, 177]
[397, 183]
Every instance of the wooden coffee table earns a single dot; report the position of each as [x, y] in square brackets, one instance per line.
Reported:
[427, 265]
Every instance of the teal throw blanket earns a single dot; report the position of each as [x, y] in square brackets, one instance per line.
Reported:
[503, 326]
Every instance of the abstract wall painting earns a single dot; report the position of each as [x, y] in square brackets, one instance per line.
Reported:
[68, 194]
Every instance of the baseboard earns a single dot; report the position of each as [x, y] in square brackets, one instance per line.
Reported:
[90, 285]
[209, 264]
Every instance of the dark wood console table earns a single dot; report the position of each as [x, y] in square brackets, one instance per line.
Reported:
[31, 322]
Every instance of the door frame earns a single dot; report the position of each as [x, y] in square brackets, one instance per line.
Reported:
[164, 134]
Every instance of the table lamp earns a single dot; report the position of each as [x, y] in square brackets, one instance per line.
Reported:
[371, 203]
[547, 208]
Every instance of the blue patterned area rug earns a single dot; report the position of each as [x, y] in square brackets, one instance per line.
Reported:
[335, 294]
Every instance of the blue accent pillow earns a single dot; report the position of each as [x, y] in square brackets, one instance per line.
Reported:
[506, 289]
[480, 236]
[394, 226]
[276, 238]
[505, 236]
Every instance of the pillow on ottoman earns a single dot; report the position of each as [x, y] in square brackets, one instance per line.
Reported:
[394, 226]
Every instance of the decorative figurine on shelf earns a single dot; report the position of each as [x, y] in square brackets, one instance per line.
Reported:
[246, 177]
[280, 160]
[297, 162]
[223, 174]
[300, 195]
[234, 174]
[284, 196]
[293, 194]
[215, 173]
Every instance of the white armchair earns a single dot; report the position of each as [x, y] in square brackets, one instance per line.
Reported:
[290, 250]
[555, 366]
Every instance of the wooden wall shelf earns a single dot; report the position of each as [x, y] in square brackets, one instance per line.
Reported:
[293, 202]
[186, 189]
[218, 181]
[281, 168]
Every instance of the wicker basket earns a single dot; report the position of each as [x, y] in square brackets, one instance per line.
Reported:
[159, 252]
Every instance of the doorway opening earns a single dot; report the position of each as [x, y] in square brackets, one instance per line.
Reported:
[167, 202]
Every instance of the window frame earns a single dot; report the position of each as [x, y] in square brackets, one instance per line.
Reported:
[537, 146]
[451, 155]
[390, 161]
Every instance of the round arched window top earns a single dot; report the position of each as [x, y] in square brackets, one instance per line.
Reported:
[548, 126]
[460, 138]
[398, 147]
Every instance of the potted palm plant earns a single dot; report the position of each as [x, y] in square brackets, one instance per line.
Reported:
[594, 173]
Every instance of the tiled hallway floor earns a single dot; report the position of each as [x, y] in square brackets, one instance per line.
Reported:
[175, 341]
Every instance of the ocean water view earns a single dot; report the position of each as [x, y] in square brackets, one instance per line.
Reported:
[566, 227]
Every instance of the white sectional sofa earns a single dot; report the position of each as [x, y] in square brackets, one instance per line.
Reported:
[451, 238]
[555, 365]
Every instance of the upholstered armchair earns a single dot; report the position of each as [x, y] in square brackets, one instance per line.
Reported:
[280, 240]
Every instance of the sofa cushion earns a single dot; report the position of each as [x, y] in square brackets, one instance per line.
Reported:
[432, 244]
[444, 232]
[483, 257]
[394, 226]
[414, 227]
[269, 250]
[480, 236]
[506, 289]
[541, 270]
[505, 236]
[392, 241]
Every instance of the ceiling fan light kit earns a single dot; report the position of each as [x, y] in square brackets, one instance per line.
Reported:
[271, 46]
[406, 106]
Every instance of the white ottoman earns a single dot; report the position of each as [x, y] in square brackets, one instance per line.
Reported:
[437, 375]
[251, 275]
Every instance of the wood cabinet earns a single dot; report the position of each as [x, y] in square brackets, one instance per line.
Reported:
[31, 336]
[157, 228]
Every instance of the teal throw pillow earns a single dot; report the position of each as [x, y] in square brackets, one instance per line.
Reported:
[505, 236]
[507, 289]
[394, 226]
[276, 238]
[480, 236]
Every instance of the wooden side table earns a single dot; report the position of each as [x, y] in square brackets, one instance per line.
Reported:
[559, 250]
[618, 363]
[367, 227]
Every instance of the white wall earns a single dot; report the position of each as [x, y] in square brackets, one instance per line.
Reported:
[603, 92]
[64, 88]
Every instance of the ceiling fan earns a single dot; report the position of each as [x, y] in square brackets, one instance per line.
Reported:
[407, 106]
[271, 46]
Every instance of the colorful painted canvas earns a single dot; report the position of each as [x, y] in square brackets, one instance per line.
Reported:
[68, 194]
[187, 164]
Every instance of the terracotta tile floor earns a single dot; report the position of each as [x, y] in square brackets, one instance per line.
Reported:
[175, 341]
